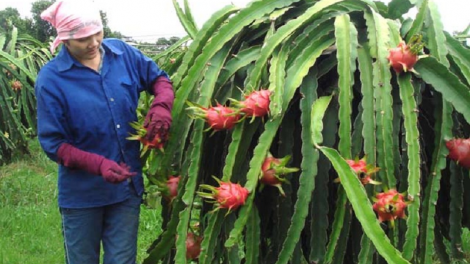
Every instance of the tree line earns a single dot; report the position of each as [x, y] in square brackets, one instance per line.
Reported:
[41, 30]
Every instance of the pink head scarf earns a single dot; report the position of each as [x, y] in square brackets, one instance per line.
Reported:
[72, 20]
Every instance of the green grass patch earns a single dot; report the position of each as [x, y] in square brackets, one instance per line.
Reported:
[30, 224]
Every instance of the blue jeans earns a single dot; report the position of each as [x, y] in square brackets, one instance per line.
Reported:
[115, 226]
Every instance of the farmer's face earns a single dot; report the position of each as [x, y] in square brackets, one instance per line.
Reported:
[87, 48]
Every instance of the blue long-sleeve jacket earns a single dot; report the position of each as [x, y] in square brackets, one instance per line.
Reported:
[92, 111]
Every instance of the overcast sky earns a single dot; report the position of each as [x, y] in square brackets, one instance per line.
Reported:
[150, 19]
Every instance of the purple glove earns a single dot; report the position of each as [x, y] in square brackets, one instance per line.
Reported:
[114, 173]
[75, 158]
[158, 119]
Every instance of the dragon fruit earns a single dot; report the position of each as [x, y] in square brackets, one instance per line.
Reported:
[193, 246]
[218, 117]
[401, 58]
[227, 196]
[359, 166]
[12, 67]
[272, 171]
[256, 104]
[404, 56]
[390, 205]
[158, 141]
[170, 191]
[363, 170]
[459, 151]
[16, 85]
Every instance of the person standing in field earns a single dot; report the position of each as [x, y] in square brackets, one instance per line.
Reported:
[87, 97]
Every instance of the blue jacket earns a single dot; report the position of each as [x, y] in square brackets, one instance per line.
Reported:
[92, 111]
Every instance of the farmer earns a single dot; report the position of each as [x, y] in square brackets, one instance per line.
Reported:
[86, 98]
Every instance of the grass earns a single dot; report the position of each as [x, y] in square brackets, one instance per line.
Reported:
[30, 225]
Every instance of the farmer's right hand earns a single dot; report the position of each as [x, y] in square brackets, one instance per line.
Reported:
[115, 173]
[75, 158]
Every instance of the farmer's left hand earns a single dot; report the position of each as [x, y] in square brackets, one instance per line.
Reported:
[158, 119]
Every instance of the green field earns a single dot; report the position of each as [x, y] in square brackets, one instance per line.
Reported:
[30, 227]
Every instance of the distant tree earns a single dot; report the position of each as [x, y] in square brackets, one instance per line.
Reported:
[463, 36]
[173, 40]
[107, 32]
[164, 43]
[41, 29]
[11, 17]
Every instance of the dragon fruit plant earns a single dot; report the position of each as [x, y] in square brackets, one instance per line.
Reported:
[323, 81]
[21, 59]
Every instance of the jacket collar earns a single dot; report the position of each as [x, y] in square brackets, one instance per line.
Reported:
[65, 61]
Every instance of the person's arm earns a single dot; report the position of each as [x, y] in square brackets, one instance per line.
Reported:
[163, 91]
[156, 81]
[75, 158]
[158, 119]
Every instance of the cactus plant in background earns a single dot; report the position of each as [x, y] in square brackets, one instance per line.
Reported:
[340, 82]
[21, 57]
